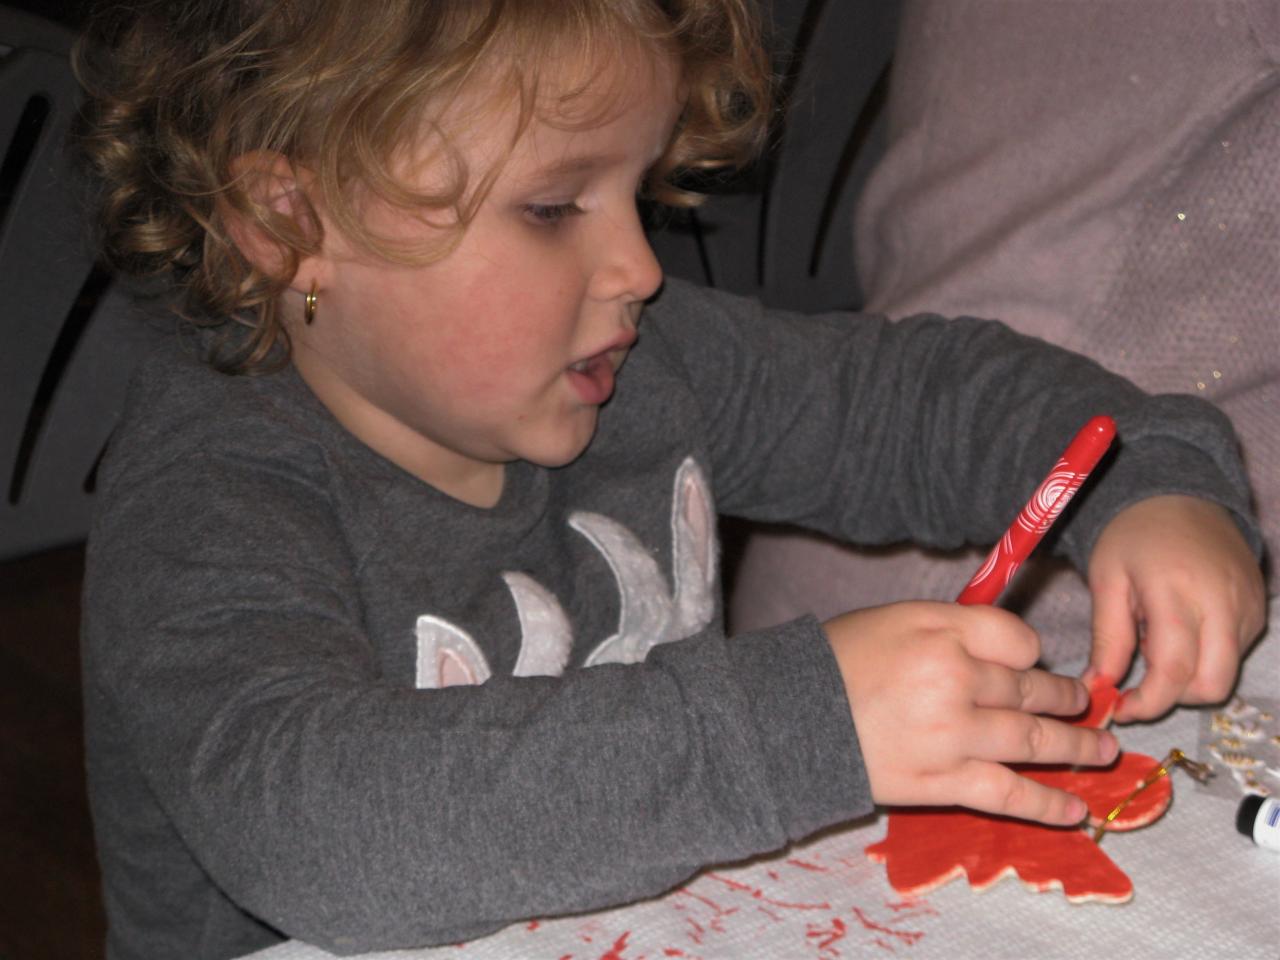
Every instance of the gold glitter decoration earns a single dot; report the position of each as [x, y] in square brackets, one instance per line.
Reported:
[1238, 759]
[1235, 727]
[1243, 743]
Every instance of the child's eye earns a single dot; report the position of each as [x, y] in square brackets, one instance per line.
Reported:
[550, 213]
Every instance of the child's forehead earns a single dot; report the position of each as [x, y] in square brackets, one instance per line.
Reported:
[572, 114]
[577, 90]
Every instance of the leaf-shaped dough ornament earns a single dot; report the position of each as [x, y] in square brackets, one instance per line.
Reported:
[927, 847]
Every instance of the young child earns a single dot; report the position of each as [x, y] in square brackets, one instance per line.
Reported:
[402, 618]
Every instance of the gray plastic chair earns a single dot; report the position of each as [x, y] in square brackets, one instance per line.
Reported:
[785, 231]
[69, 338]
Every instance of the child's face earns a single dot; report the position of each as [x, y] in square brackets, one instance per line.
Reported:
[506, 348]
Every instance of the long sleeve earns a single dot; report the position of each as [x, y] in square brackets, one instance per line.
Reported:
[925, 429]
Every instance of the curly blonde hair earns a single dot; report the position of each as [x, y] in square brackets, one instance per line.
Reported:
[181, 91]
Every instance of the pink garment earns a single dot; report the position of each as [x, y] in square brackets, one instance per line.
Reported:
[1100, 174]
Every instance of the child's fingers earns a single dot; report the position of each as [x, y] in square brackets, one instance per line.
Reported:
[1008, 736]
[998, 636]
[1225, 633]
[1031, 691]
[1171, 646]
[995, 788]
[1218, 663]
[1114, 631]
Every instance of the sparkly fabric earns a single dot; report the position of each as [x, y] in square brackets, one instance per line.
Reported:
[1099, 174]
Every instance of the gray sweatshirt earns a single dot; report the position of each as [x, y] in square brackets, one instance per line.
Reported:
[326, 701]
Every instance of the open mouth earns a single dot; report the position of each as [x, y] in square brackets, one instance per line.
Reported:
[593, 378]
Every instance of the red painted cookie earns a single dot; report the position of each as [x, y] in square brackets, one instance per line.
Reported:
[927, 847]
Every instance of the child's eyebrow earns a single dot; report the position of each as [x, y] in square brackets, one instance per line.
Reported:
[577, 164]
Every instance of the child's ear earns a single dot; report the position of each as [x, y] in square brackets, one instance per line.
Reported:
[271, 211]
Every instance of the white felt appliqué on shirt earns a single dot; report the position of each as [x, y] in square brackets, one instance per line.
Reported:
[650, 612]
[693, 562]
[645, 608]
[447, 656]
[546, 636]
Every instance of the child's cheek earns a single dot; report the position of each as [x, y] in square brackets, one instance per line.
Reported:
[478, 356]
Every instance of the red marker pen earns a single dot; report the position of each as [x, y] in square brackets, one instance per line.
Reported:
[1044, 507]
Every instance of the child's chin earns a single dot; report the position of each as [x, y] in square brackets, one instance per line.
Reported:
[563, 453]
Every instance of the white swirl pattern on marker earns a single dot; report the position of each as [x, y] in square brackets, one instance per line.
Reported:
[989, 565]
[1006, 545]
[1050, 499]
[1039, 514]
[1001, 551]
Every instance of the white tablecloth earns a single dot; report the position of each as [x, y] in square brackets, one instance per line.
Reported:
[1201, 891]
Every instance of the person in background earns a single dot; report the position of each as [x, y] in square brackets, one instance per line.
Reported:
[1101, 175]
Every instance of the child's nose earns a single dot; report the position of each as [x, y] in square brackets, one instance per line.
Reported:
[628, 269]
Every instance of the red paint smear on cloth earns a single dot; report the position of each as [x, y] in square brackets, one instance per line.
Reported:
[619, 945]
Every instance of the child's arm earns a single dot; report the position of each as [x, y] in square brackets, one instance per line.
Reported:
[936, 431]
[927, 430]
[1174, 576]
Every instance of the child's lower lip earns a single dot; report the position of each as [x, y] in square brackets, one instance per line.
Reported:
[594, 385]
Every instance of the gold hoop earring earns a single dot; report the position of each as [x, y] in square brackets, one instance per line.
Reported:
[313, 300]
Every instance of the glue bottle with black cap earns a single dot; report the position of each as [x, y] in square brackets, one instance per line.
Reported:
[1259, 819]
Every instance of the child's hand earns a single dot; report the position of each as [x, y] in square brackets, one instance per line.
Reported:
[943, 696]
[1175, 572]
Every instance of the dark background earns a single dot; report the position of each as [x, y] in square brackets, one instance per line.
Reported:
[49, 895]
[66, 11]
